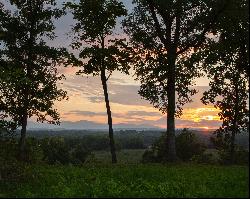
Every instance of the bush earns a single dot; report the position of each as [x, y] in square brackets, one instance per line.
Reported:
[8, 149]
[210, 156]
[33, 150]
[241, 156]
[10, 168]
[80, 154]
[187, 146]
[56, 150]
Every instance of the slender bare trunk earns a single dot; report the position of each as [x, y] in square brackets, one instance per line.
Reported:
[111, 134]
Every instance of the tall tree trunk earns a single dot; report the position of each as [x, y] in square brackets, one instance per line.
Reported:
[235, 127]
[22, 143]
[111, 134]
[171, 151]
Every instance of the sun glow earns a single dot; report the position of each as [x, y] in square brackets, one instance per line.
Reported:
[204, 127]
[198, 114]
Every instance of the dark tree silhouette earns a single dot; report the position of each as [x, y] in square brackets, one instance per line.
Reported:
[165, 35]
[28, 81]
[226, 62]
[96, 20]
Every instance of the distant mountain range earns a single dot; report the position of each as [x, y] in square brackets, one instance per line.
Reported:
[89, 125]
[84, 124]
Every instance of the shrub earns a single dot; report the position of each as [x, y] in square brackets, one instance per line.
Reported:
[241, 156]
[10, 168]
[210, 156]
[33, 150]
[79, 154]
[8, 149]
[56, 150]
[187, 145]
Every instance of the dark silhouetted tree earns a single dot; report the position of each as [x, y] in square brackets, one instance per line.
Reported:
[96, 20]
[165, 36]
[226, 62]
[28, 82]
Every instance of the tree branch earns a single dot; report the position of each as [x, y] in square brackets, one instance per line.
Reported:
[177, 25]
[200, 40]
[157, 24]
[107, 78]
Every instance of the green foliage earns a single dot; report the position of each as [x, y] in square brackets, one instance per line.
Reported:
[7, 128]
[241, 156]
[8, 148]
[125, 156]
[226, 60]
[33, 152]
[10, 168]
[165, 38]
[167, 181]
[57, 150]
[102, 12]
[29, 76]
[100, 52]
[130, 142]
[209, 156]
[95, 23]
[187, 146]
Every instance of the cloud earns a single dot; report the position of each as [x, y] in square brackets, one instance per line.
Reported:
[139, 115]
[180, 123]
[85, 113]
[119, 92]
[143, 113]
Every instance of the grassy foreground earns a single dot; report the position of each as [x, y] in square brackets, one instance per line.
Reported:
[184, 180]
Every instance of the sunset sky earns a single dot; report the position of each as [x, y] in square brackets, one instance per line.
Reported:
[86, 101]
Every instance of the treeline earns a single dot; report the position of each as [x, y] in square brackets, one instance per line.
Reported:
[148, 137]
[169, 45]
[65, 150]
[77, 150]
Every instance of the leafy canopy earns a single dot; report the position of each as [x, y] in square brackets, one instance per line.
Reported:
[165, 34]
[28, 78]
[96, 20]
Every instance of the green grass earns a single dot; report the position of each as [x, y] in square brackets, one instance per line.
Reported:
[183, 180]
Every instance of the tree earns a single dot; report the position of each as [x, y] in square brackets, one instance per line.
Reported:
[233, 32]
[188, 145]
[6, 127]
[96, 20]
[28, 81]
[226, 62]
[165, 37]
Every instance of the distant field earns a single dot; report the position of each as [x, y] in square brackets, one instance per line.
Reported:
[126, 156]
[138, 180]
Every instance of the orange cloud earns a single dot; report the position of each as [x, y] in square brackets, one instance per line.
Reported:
[203, 113]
